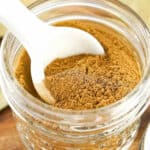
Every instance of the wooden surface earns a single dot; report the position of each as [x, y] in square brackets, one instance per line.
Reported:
[9, 139]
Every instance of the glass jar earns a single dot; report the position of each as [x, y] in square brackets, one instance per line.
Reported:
[112, 127]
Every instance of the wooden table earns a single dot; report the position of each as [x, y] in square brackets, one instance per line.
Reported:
[9, 139]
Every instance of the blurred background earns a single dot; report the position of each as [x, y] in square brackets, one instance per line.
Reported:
[142, 7]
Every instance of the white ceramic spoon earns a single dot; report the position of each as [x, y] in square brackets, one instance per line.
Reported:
[44, 43]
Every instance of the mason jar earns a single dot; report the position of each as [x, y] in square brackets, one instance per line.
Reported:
[113, 127]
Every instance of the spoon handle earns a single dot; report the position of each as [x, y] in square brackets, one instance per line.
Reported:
[21, 22]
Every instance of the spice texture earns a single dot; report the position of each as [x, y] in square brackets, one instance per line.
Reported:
[87, 81]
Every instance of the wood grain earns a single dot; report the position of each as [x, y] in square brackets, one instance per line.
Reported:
[9, 139]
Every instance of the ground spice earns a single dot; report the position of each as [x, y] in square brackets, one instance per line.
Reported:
[87, 81]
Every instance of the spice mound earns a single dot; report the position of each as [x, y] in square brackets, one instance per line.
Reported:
[88, 81]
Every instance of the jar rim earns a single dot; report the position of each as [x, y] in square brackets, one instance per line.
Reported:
[38, 104]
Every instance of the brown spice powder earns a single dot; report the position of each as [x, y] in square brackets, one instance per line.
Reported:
[88, 81]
